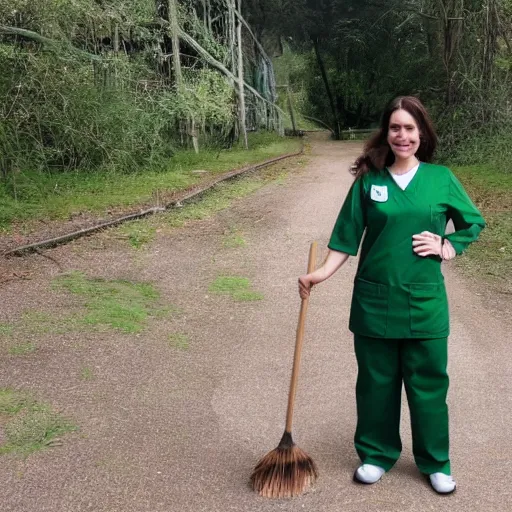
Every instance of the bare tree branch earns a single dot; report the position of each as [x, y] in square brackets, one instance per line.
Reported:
[34, 36]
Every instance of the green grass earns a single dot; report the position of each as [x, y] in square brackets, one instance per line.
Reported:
[179, 340]
[211, 202]
[138, 233]
[6, 330]
[86, 373]
[239, 288]
[29, 426]
[22, 349]
[62, 195]
[234, 239]
[215, 200]
[117, 304]
[491, 257]
[35, 323]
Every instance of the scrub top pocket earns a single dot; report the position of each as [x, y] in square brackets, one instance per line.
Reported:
[369, 311]
[428, 305]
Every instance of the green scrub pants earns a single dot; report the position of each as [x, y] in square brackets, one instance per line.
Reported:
[421, 365]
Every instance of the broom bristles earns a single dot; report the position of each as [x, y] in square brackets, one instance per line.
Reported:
[285, 472]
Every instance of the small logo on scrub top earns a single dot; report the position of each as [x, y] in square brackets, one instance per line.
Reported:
[379, 194]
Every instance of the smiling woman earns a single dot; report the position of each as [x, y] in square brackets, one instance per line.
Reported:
[401, 203]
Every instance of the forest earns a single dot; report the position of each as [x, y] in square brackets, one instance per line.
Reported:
[123, 86]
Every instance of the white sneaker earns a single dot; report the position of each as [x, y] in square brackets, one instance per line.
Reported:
[442, 484]
[368, 474]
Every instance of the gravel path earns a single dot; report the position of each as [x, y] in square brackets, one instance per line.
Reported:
[169, 430]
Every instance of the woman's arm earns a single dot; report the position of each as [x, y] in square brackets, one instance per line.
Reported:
[467, 219]
[333, 262]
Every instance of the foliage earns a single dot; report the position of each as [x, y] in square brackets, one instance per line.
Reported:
[89, 86]
[455, 55]
[61, 195]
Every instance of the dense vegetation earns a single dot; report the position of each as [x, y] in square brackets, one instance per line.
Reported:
[358, 54]
[89, 84]
[98, 85]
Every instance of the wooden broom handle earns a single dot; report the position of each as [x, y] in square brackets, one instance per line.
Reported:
[298, 344]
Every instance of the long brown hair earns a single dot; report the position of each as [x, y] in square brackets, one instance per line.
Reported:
[377, 153]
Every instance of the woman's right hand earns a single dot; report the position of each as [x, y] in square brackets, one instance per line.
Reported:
[305, 285]
[333, 262]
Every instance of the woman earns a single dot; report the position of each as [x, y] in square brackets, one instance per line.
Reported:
[399, 312]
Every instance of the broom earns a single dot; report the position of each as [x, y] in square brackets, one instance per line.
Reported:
[287, 471]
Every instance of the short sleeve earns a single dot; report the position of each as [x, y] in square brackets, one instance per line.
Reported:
[351, 222]
[466, 217]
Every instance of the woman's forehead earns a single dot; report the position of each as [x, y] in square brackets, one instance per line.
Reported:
[402, 117]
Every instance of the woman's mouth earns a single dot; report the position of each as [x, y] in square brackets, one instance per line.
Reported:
[402, 147]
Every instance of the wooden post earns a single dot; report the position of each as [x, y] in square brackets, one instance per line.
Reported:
[174, 26]
[241, 95]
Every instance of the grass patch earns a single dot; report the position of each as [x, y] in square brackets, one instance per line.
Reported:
[86, 373]
[234, 239]
[213, 201]
[138, 233]
[29, 426]
[179, 340]
[22, 349]
[239, 288]
[117, 304]
[34, 323]
[491, 258]
[11, 402]
[6, 330]
[61, 195]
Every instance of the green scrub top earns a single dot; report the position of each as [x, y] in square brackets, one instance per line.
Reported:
[398, 294]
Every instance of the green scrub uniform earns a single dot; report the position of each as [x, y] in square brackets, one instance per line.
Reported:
[399, 313]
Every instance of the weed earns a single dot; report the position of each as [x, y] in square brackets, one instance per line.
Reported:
[37, 322]
[237, 287]
[118, 304]
[11, 402]
[30, 425]
[22, 349]
[86, 374]
[6, 330]
[247, 296]
[138, 233]
[234, 239]
[179, 341]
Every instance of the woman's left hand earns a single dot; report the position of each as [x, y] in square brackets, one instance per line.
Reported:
[429, 244]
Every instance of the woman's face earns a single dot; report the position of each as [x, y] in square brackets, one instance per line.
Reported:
[403, 135]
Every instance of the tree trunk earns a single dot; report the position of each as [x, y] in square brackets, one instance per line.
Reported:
[241, 95]
[337, 131]
[174, 26]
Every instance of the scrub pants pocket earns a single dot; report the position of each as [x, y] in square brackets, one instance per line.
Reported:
[428, 305]
[369, 311]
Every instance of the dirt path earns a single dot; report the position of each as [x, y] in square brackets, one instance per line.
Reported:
[164, 429]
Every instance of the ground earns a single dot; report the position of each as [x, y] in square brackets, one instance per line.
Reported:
[173, 414]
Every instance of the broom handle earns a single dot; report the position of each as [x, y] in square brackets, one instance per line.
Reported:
[298, 344]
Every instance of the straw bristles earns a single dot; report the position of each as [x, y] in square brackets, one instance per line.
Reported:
[285, 472]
